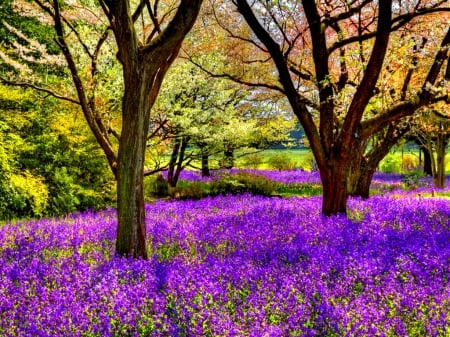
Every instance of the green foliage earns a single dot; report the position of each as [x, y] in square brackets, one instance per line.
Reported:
[409, 162]
[391, 164]
[253, 160]
[397, 162]
[410, 179]
[299, 189]
[159, 186]
[308, 162]
[243, 183]
[193, 191]
[281, 161]
[49, 165]
[29, 28]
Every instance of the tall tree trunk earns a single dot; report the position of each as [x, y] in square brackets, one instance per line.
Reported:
[173, 162]
[131, 231]
[371, 159]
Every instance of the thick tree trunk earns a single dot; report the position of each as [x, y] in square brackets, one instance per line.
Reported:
[334, 182]
[131, 231]
[365, 180]
[355, 171]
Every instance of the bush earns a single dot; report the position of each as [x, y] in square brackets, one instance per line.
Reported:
[243, 183]
[300, 189]
[308, 162]
[410, 179]
[159, 186]
[188, 192]
[390, 164]
[281, 161]
[23, 196]
[253, 160]
[409, 162]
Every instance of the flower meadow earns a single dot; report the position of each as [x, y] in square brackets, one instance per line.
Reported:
[234, 266]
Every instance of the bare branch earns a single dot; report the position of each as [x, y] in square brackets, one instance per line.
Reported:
[236, 79]
[397, 23]
[139, 10]
[411, 69]
[38, 88]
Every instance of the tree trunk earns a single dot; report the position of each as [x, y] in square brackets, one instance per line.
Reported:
[334, 182]
[205, 164]
[426, 161]
[439, 178]
[173, 162]
[131, 231]
[355, 171]
[228, 157]
[365, 180]
[179, 168]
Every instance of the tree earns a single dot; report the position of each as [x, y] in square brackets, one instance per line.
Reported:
[432, 130]
[206, 116]
[49, 163]
[393, 86]
[147, 42]
[329, 58]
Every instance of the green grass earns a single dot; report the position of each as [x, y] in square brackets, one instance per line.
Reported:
[307, 190]
[300, 157]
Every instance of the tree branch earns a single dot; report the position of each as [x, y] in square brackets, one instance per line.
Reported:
[235, 78]
[38, 88]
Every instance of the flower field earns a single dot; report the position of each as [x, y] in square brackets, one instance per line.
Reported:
[234, 266]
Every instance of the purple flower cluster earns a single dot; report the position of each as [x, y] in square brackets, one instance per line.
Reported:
[234, 266]
[381, 181]
[286, 177]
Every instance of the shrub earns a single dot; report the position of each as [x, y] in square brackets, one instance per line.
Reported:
[23, 196]
[300, 189]
[390, 164]
[159, 186]
[410, 179]
[243, 183]
[409, 162]
[281, 161]
[253, 160]
[188, 192]
[308, 162]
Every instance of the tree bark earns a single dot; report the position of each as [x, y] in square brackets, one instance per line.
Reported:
[173, 162]
[334, 182]
[181, 155]
[131, 232]
[369, 161]
[426, 161]
[144, 62]
[439, 178]
[365, 180]
[205, 163]
[228, 157]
